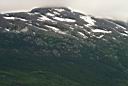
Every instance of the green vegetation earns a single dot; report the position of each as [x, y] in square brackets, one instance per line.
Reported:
[49, 60]
[34, 78]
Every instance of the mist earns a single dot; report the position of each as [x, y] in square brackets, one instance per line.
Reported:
[15, 5]
[100, 8]
[117, 9]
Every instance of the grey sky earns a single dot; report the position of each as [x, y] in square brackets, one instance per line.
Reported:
[100, 8]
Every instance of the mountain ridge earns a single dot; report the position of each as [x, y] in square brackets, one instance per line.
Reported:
[78, 48]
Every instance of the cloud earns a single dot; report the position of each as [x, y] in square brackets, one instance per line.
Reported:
[103, 8]
[7, 5]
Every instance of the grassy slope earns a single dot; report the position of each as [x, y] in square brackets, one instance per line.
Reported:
[23, 65]
[35, 78]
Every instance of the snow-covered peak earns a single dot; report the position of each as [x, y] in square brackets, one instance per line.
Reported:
[62, 21]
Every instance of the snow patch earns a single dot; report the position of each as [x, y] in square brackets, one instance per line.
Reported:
[50, 14]
[100, 31]
[37, 27]
[72, 28]
[83, 35]
[55, 29]
[22, 19]
[78, 26]
[24, 29]
[43, 18]
[124, 34]
[10, 18]
[60, 10]
[86, 31]
[6, 29]
[113, 38]
[74, 10]
[119, 26]
[89, 20]
[31, 14]
[99, 37]
[56, 13]
[13, 18]
[64, 19]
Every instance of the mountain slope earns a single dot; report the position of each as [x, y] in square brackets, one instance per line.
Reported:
[63, 47]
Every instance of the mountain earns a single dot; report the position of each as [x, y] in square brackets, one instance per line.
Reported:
[57, 46]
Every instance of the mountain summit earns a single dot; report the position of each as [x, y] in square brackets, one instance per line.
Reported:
[57, 46]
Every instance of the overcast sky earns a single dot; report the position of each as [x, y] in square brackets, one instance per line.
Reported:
[101, 8]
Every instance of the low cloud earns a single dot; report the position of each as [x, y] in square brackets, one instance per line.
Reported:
[9, 5]
[101, 8]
